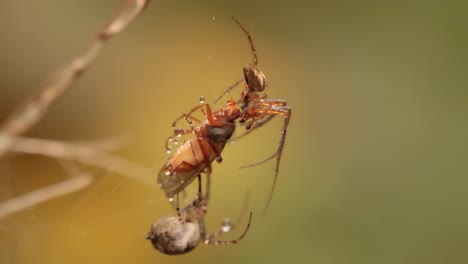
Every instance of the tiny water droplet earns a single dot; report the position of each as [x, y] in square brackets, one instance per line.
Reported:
[178, 131]
[169, 150]
[171, 199]
[176, 141]
[167, 172]
[202, 99]
[226, 226]
[213, 18]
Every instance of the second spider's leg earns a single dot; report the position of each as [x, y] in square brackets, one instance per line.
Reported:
[200, 194]
[177, 208]
[275, 108]
[208, 188]
[184, 194]
[227, 225]
[210, 240]
[204, 205]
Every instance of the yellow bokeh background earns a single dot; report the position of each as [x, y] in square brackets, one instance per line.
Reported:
[375, 164]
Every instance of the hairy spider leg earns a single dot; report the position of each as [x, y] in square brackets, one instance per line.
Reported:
[274, 107]
[254, 51]
[227, 226]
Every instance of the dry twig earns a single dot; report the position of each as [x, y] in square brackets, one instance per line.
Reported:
[30, 199]
[79, 180]
[85, 155]
[92, 153]
[33, 109]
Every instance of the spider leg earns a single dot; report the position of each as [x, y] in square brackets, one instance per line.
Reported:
[275, 107]
[210, 240]
[177, 208]
[188, 117]
[200, 194]
[208, 188]
[203, 205]
[198, 203]
[265, 118]
[227, 225]
[184, 195]
[254, 125]
[272, 108]
[254, 51]
[228, 90]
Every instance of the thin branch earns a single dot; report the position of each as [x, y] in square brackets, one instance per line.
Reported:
[109, 144]
[85, 155]
[30, 199]
[33, 109]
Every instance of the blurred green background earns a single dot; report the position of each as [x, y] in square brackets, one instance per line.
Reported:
[375, 164]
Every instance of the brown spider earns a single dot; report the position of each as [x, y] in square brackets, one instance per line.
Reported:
[210, 136]
[257, 109]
